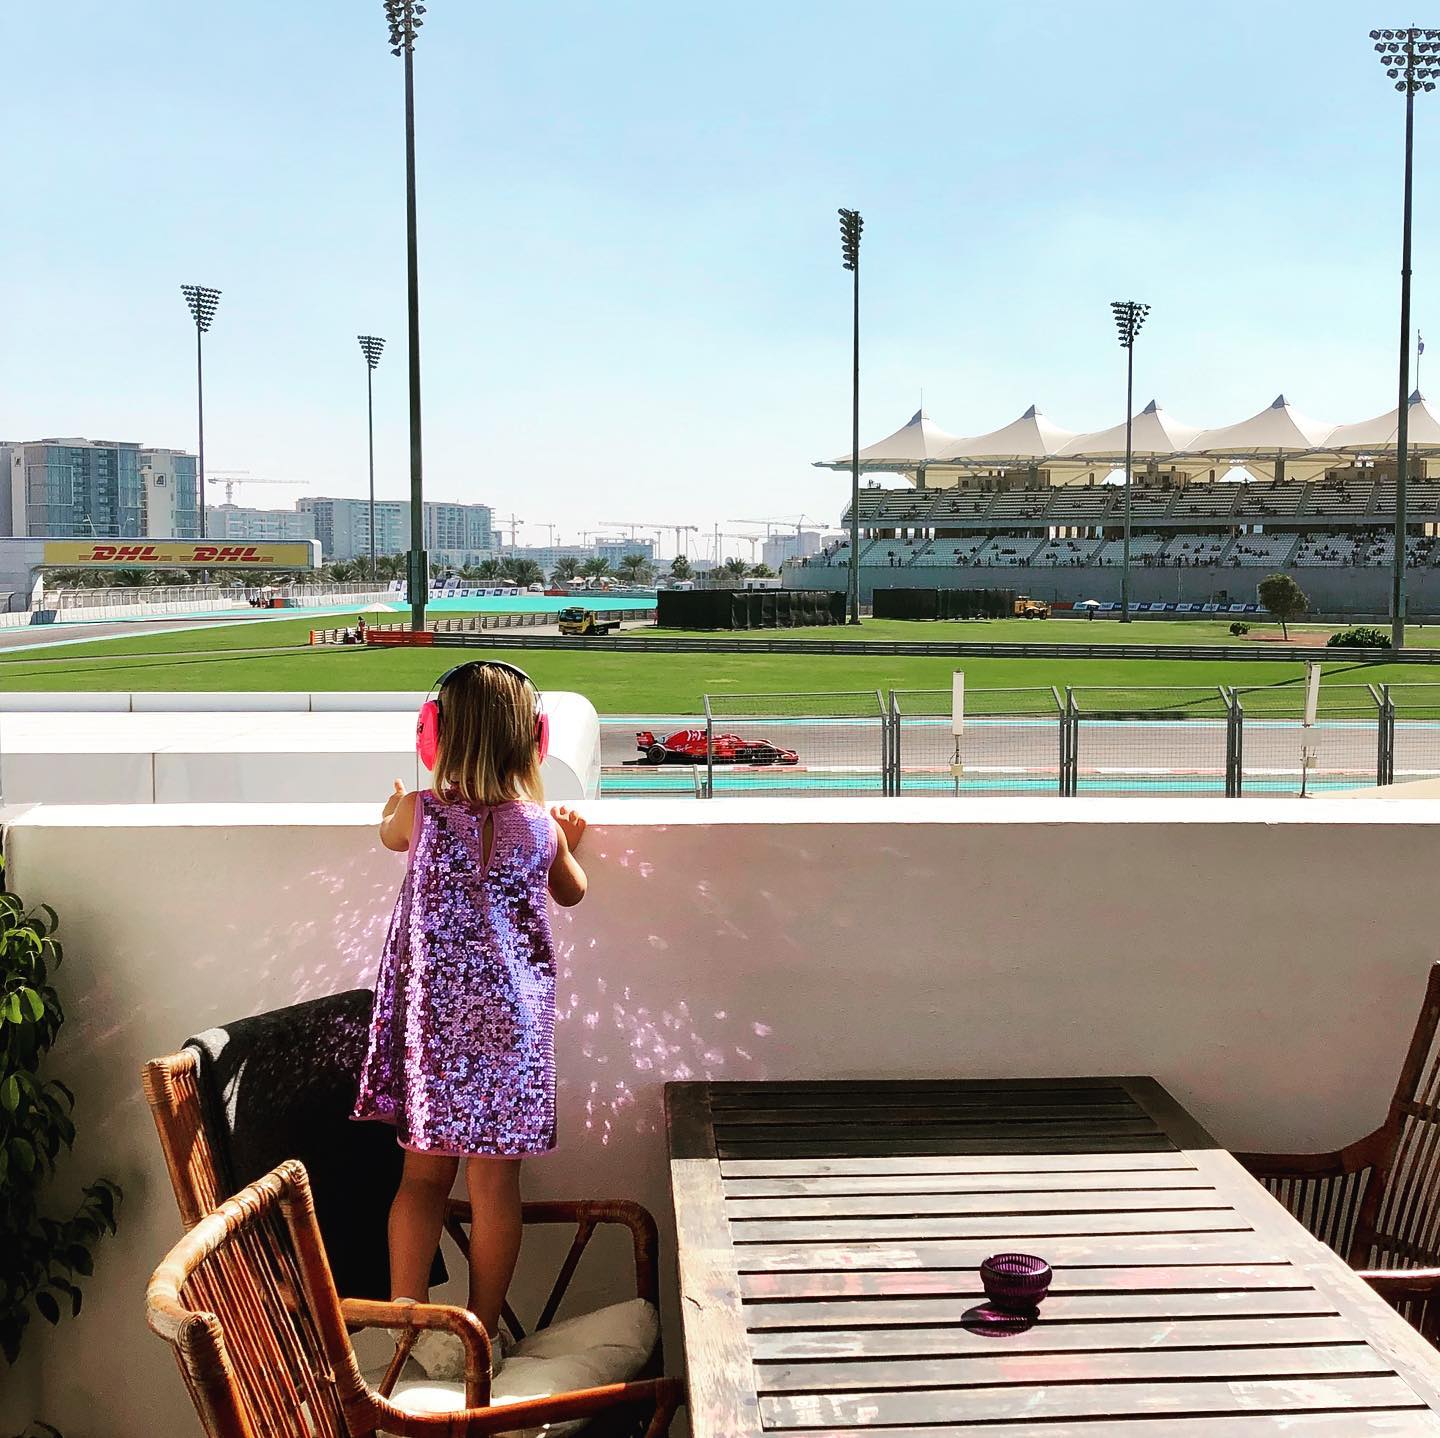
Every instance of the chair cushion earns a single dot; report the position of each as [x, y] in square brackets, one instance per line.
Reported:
[610, 1345]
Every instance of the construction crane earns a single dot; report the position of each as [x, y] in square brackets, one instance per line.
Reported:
[751, 539]
[773, 524]
[680, 530]
[231, 477]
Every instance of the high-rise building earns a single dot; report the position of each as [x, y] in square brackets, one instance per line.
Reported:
[454, 533]
[82, 488]
[73, 487]
[780, 547]
[234, 521]
[171, 494]
[615, 550]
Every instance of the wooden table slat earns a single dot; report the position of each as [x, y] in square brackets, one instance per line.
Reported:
[1371, 1423]
[891, 1205]
[816, 1317]
[965, 1281]
[1032, 1371]
[976, 1406]
[999, 1186]
[875, 1165]
[923, 1145]
[1052, 1336]
[1020, 1227]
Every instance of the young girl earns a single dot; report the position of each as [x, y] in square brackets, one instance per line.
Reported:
[461, 1055]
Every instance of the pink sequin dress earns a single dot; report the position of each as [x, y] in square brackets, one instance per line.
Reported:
[462, 1045]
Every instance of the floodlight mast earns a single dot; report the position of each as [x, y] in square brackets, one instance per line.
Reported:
[851, 225]
[1129, 317]
[203, 302]
[371, 346]
[1411, 58]
[403, 19]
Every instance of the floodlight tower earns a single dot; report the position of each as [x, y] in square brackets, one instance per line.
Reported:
[403, 18]
[371, 346]
[850, 226]
[203, 303]
[1411, 58]
[1129, 317]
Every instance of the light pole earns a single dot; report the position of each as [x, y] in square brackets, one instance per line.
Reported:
[850, 226]
[371, 346]
[403, 17]
[1129, 317]
[203, 303]
[1411, 59]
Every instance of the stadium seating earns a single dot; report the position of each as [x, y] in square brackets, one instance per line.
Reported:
[1330, 551]
[1261, 551]
[1007, 550]
[1145, 503]
[1271, 500]
[1192, 549]
[1338, 496]
[1077, 505]
[1143, 550]
[1419, 551]
[951, 551]
[1206, 499]
[960, 504]
[1055, 553]
[1422, 499]
[1019, 504]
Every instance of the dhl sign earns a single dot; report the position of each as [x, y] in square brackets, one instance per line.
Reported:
[179, 554]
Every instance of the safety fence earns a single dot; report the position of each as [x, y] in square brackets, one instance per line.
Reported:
[1271, 741]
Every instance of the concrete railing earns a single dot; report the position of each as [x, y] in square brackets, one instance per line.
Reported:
[766, 939]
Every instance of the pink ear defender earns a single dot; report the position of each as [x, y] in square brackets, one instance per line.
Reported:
[427, 721]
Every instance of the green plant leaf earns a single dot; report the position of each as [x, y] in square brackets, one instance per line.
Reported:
[45, 1302]
[10, 1093]
[34, 1003]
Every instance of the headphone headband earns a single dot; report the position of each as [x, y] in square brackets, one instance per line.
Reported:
[427, 722]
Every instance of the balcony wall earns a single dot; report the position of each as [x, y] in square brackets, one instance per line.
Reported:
[1264, 960]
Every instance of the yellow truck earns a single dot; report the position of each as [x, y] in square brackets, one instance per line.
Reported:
[578, 620]
[1027, 608]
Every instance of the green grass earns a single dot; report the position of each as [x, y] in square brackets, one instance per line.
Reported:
[273, 654]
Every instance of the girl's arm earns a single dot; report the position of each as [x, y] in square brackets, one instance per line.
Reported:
[398, 819]
[567, 878]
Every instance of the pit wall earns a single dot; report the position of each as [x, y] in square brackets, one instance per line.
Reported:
[1265, 961]
[1330, 591]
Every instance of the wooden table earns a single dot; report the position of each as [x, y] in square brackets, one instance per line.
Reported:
[829, 1236]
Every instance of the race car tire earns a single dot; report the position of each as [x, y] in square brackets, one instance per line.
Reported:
[656, 754]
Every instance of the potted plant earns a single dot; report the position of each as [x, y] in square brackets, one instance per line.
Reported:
[45, 1258]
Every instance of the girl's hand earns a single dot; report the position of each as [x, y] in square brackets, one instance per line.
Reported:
[393, 800]
[571, 825]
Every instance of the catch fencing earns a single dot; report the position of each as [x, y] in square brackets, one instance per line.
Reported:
[1090, 740]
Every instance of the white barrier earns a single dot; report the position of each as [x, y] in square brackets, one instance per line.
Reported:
[268, 749]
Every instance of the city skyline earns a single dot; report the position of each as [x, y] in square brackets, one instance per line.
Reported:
[632, 300]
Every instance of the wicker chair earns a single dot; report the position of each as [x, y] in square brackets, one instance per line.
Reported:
[1376, 1201]
[247, 1301]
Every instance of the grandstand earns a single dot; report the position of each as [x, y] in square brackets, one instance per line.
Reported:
[1261, 551]
[1325, 550]
[1007, 551]
[1056, 552]
[1144, 549]
[1193, 549]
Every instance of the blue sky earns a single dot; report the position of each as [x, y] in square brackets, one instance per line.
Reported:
[632, 300]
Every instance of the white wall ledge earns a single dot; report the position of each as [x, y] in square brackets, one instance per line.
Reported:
[1356, 811]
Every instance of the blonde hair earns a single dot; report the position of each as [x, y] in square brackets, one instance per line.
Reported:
[487, 752]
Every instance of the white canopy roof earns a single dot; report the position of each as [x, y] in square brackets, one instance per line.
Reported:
[1382, 431]
[1031, 437]
[1153, 432]
[1280, 429]
[918, 441]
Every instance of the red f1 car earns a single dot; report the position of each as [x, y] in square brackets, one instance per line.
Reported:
[687, 746]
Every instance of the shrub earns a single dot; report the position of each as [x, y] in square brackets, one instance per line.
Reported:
[1239, 627]
[44, 1257]
[1359, 636]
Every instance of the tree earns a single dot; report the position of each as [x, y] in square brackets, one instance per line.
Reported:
[490, 571]
[762, 571]
[1283, 598]
[736, 567]
[636, 569]
[680, 568]
[566, 568]
[525, 572]
[595, 568]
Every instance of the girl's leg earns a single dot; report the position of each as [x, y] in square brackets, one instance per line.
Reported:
[494, 1185]
[416, 1218]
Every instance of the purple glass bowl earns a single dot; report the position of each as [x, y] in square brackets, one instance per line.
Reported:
[1015, 1280]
